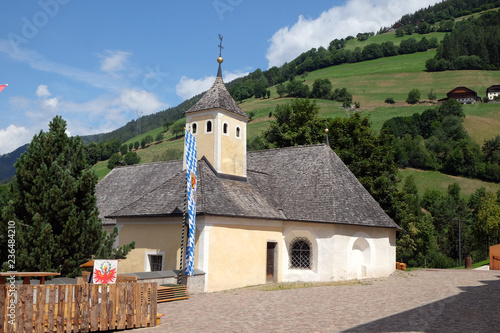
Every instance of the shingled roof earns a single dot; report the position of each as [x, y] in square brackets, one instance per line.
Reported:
[217, 97]
[304, 183]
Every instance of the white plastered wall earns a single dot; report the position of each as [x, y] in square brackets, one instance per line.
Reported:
[341, 252]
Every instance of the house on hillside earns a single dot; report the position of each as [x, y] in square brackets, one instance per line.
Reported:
[493, 91]
[463, 95]
[280, 215]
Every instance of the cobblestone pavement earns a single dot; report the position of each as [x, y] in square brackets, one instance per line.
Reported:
[417, 301]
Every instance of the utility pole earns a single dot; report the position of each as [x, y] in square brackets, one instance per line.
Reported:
[459, 243]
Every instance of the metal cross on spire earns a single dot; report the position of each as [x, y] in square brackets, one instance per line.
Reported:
[220, 45]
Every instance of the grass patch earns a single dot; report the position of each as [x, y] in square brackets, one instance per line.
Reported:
[434, 180]
[390, 37]
[101, 169]
[474, 265]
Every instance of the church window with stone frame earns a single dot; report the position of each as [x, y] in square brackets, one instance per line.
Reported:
[208, 126]
[225, 128]
[194, 128]
[238, 132]
[300, 253]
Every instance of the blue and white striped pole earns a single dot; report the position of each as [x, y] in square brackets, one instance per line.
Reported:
[191, 182]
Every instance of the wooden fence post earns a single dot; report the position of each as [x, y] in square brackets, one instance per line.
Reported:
[51, 308]
[29, 291]
[103, 316]
[69, 308]
[112, 304]
[94, 307]
[61, 296]
[3, 307]
[78, 304]
[130, 305]
[21, 307]
[153, 303]
[40, 309]
[84, 326]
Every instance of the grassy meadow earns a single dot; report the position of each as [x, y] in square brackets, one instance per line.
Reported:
[434, 180]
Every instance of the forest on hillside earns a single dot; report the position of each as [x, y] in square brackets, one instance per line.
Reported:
[437, 140]
[472, 44]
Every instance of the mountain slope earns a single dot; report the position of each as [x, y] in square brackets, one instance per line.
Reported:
[7, 169]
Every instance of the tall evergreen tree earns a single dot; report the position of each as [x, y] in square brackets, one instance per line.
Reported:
[54, 205]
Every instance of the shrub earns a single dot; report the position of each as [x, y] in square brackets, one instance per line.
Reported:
[159, 137]
[123, 149]
[390, 100]
[131, 158]
[413, 96]
[113, 160]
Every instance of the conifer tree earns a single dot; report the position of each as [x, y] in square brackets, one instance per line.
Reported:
[54, 205]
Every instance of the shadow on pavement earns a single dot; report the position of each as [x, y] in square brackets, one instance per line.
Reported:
[476, 309]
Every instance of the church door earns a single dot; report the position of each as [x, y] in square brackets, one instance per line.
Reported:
[270, 262]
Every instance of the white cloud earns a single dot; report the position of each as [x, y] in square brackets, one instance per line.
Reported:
[142, 100]
[338, 22]
[187, 88]
[114, 61]
[51, 102]
[13, 137]
[43, 91]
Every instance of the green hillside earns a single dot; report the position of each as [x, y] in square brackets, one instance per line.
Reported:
[389, 37]
[434, 180]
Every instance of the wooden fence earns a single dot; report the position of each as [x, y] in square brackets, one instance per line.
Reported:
[77, 308]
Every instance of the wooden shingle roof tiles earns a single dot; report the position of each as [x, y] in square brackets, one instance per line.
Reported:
[303, 183]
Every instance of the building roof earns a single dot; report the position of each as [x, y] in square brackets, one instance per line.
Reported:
[217, 97]
[462, 90]
[493, 88]
[303, 183]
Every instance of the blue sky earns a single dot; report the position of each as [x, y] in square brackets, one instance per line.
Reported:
[99, 64]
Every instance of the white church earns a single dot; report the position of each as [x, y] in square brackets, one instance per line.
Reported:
[280, 215]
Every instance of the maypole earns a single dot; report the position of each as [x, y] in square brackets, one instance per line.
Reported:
[189, 205]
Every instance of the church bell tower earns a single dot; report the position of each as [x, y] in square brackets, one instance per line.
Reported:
[219, 125]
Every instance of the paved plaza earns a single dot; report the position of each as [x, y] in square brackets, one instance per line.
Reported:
[417, 301]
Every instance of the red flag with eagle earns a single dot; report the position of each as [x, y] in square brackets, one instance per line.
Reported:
[3, 86]
[105, 271]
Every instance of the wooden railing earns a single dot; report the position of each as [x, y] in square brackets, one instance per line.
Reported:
[77, 308]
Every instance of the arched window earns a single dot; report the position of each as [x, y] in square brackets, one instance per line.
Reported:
[209, 126]
[300, 253]
[238, 132]
[225, 128]
[195, 128]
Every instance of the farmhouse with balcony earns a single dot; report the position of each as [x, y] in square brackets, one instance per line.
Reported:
[463, 95]
[493, 91]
